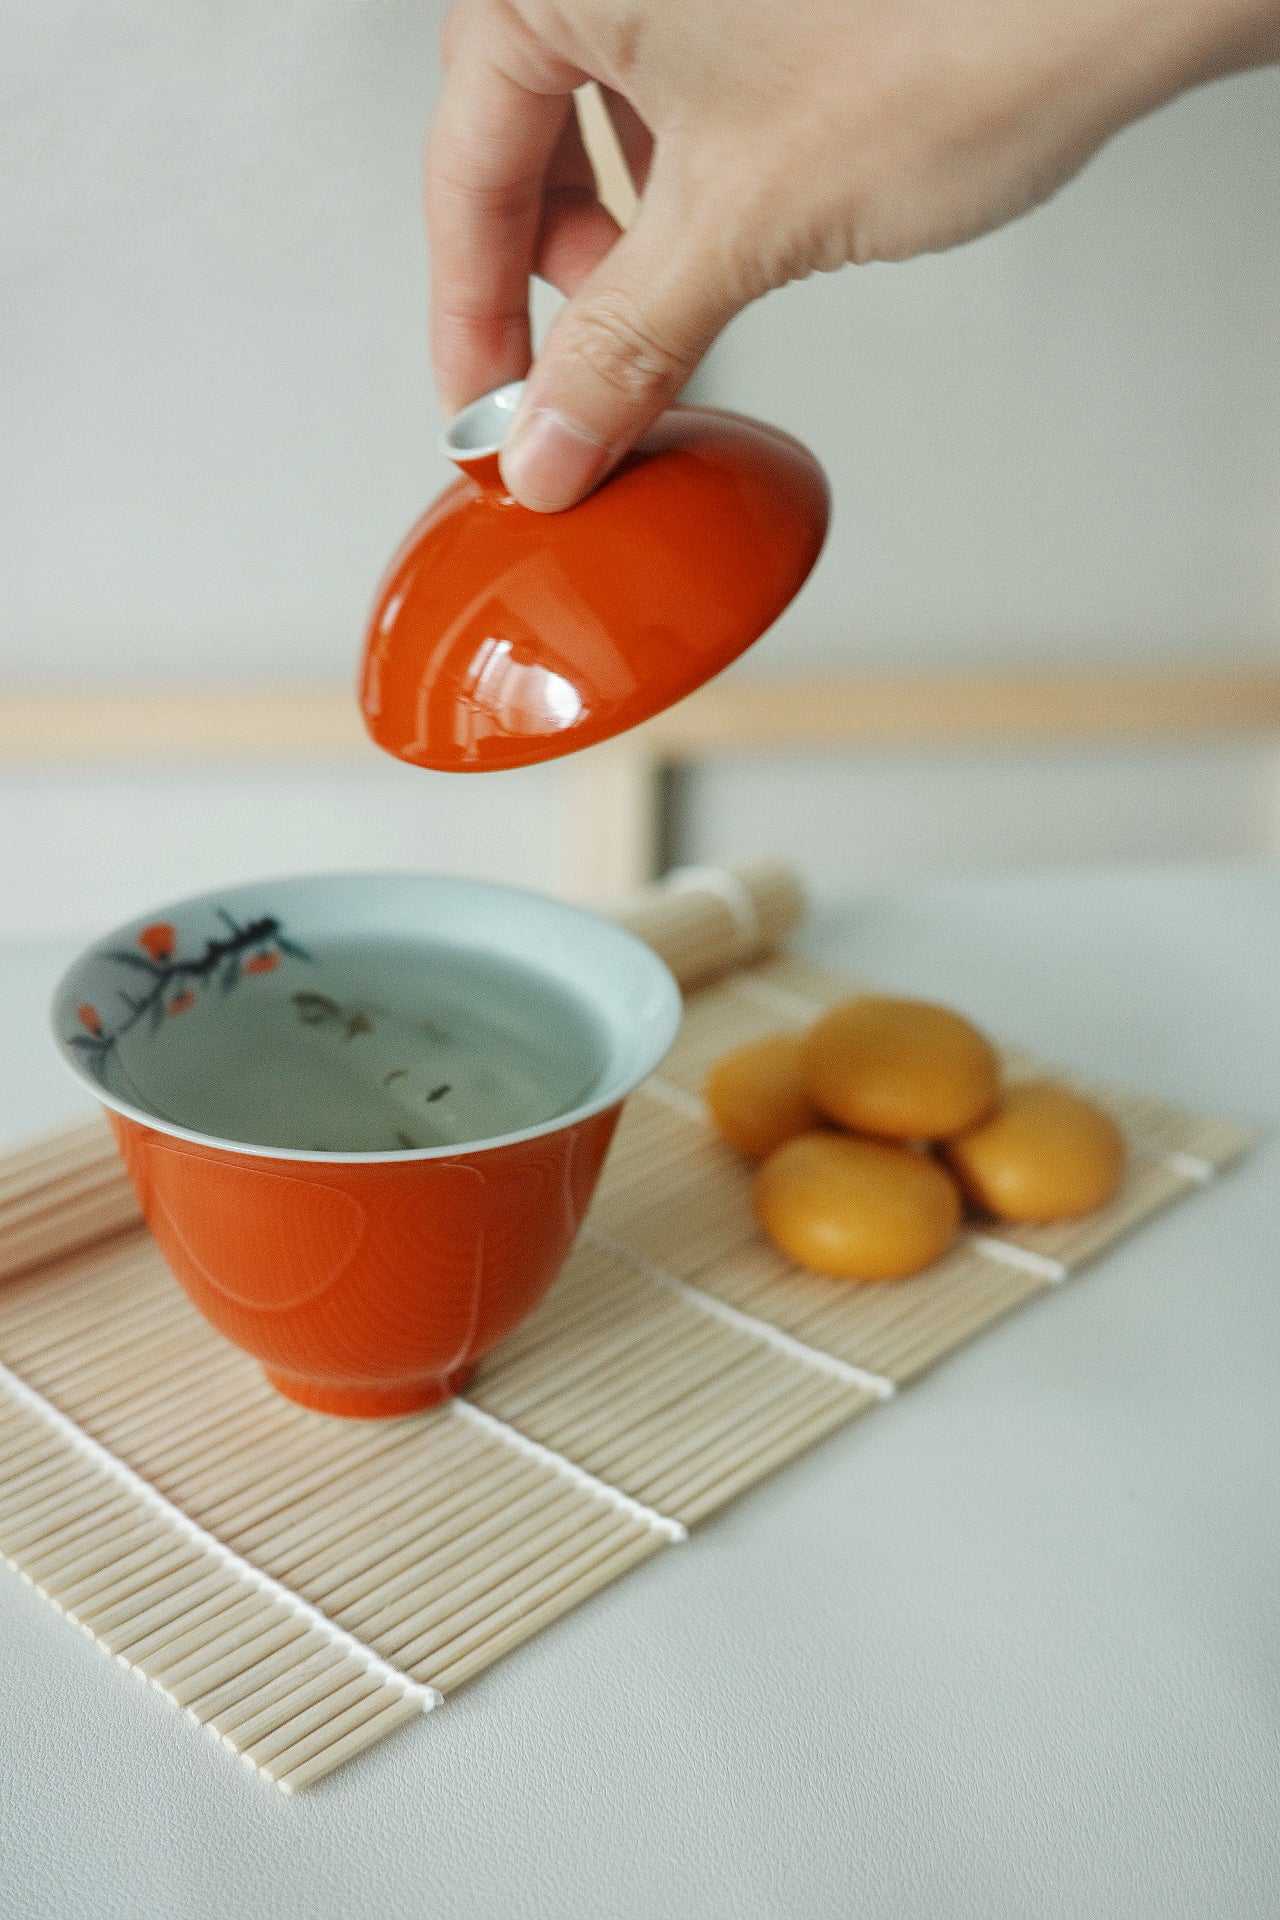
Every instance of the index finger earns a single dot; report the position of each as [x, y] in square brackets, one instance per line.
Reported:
[490, 145]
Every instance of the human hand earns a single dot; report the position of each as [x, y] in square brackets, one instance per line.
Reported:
[769, 139]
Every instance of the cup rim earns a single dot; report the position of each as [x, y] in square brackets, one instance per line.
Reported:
[664, 1020]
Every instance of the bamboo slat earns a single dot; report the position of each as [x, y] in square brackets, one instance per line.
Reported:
[186, 1627]
[641, 1380]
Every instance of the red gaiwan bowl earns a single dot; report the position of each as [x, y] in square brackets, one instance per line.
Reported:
[300, 1075]
[501, 637]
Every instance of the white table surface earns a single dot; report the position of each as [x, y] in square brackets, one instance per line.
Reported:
[1009, 1645]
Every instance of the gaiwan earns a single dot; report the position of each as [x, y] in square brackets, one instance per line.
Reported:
[364, 1114]
[501, 637]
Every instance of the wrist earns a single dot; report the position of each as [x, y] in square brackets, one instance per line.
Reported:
[1230, 36]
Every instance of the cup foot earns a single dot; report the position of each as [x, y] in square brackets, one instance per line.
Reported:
[354, 1402]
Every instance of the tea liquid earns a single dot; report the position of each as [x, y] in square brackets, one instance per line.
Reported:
[371, 1045]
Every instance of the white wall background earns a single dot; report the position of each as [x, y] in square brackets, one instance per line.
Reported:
[218, 417]
[884, 816]
[1063, 440]
[83, 848]
[216, 421]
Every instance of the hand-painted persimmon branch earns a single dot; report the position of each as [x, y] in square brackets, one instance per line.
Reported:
[262, 940]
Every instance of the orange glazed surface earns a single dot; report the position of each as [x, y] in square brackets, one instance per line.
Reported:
[500, 637]
[366, 1288]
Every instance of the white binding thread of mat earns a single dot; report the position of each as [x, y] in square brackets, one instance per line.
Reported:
[673, 1096]
[147, 1495]
[763, 1330]
[784, 1001]
[732, 892]
[489, 1423]
[1012, 1256]
[1192, 1166]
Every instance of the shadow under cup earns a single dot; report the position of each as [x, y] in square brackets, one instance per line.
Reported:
[365, 1114]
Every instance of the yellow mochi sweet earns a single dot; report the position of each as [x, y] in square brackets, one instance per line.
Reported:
[901, 1069]
[1045, 1154]
[757, 1095]
[856, 1209]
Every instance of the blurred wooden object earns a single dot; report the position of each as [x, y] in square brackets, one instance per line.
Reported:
[617, 789]
[614, 184]
[1072, 707]
[77, 726]
[171, 725]
[615, 818]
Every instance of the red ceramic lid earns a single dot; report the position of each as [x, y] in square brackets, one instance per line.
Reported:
[500, 637]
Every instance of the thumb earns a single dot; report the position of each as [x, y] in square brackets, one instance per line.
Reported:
[617, 353]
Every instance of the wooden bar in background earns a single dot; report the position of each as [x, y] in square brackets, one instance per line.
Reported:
[737, 715]
[158, 725]
[616, 830]
[1005, 707]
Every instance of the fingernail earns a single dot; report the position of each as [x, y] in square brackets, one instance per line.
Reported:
[549, 464]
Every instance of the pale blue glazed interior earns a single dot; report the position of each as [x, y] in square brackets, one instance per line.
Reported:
[365, 1016]
[481, 428]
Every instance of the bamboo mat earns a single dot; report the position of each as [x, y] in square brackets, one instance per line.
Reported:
[301, 1586]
